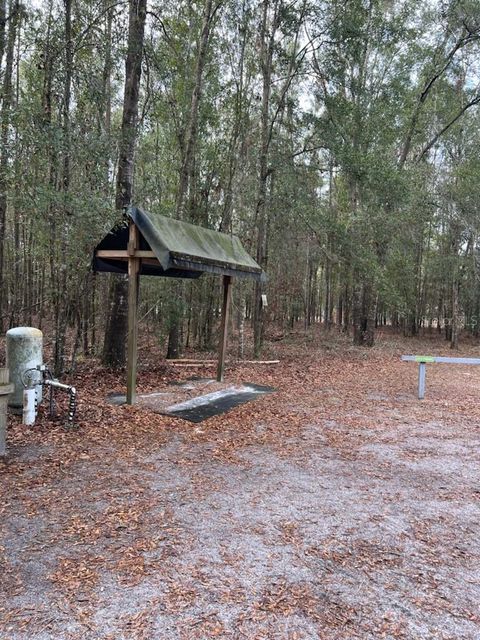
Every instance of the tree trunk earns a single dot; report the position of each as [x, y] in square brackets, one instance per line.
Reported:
[3, 22]
[173, 349]
[116, 329]
[235, 153]
[185, 208]
[16, 290]
[364, 316]
[266, 60]
[186, 185]
[64, 303]
[455, 314]
[4, 132]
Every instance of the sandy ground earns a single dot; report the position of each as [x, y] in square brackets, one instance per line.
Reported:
[339, 507]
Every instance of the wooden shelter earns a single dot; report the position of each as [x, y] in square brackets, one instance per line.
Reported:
[151, 244]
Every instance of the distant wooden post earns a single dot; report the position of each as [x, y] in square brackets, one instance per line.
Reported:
[227, 286]
[133, 287]
[5, 389]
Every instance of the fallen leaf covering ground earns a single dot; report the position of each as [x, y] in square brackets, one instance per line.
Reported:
[338, 508]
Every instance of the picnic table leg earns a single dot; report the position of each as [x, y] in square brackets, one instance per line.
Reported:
[421, 380]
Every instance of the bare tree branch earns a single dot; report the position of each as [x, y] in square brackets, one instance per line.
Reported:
[440, 133]
[428, 86]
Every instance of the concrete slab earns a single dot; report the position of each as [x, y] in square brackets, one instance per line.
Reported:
[189, 401]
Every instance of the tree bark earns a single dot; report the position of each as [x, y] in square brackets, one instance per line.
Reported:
[5, 117]
[186, 186]
[185, 209]
[455, 314]
[235, 153]
[116, 329]
[364, 316]
[266, 59]
[3, 22]
[64, 303]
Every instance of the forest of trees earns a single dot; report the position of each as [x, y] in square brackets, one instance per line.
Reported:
[339, 139]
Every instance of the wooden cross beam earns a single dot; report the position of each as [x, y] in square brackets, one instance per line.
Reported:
[120, 253]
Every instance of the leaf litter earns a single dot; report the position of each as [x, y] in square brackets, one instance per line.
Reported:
[339, 507]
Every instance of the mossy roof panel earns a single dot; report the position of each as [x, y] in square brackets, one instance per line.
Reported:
[181, 247]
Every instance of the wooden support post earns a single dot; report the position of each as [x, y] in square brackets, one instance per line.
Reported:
[133, 287]
[5, 389]
[227, 286]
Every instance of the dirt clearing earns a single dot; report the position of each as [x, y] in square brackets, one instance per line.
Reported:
[338, 507]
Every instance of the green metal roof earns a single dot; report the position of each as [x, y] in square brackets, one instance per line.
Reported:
[183, 250]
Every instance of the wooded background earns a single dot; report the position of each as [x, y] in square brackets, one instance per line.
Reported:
[339, 139]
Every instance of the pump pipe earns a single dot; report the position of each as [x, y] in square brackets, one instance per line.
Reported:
[72, 404]
[30, 395]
